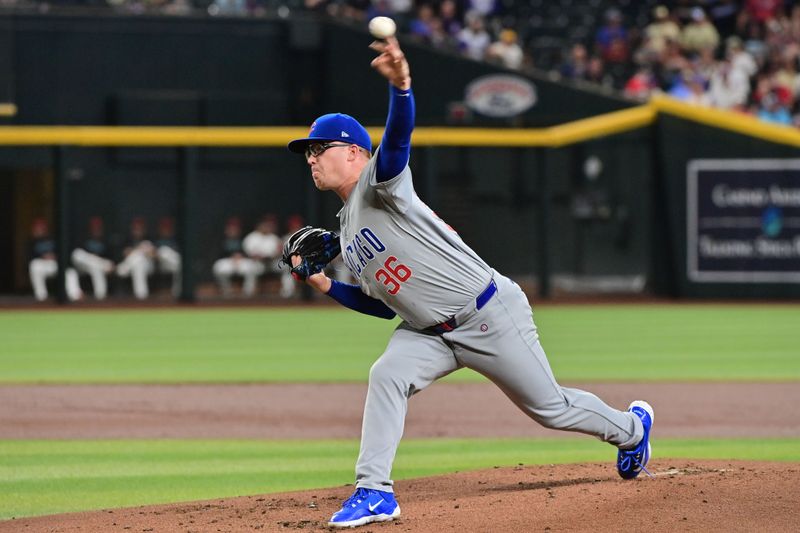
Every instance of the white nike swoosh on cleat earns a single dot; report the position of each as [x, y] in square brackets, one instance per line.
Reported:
[373, 507]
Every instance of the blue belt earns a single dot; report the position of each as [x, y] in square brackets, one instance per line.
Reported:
[480, 301]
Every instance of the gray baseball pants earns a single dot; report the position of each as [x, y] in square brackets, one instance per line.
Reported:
[499, 341]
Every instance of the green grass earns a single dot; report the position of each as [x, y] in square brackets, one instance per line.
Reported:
[615, 342]
[47, 477]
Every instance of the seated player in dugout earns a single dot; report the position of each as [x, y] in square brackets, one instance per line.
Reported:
[233, 261]
[43, 264]
[137, 260]
[92, 257]
[264, 245]
[456, 310]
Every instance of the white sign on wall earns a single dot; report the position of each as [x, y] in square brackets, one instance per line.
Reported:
[500, 95]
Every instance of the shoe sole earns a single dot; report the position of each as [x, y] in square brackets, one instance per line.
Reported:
[367, 519]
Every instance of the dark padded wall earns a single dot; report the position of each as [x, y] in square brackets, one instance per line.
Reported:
[77, 70]
[679, 142]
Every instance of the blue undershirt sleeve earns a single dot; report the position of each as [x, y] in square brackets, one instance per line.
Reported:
[351, 297]
[396, 144]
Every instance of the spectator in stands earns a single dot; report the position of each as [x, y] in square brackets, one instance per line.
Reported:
[506, 51]
[318, 5]
[485, 8]
[360, 9]
[699, 33]
[421, 28]
[760, 11]
[93, 258]
[641, 84]
[697, 94]
[448, 14]
[596, 73]
[474, 39]
[723, 15]
[178, 8]
[754, 42]
[439, 38]
[779, 33]
[681, 86]
[400, 9]
[43, 264]
[794, 23]
[348, 9]
[577, 65]
[228, 8]
[704, 63]
[773, 110]
[740, 59]
[611, 39]
[728, 88]
[167, 253]
[137, 258]
[657, 34]
[785, 77]
[682, 10]
[673, 63]
[234, 262]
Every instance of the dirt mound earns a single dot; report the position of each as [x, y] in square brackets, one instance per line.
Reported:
[696, 496]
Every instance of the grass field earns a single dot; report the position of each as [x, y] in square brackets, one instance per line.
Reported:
[617, 342]
[47, 477]
[584, 343]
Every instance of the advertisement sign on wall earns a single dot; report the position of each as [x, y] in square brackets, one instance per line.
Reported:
[743, 220]
[500, 95]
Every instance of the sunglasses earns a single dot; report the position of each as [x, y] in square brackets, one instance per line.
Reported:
[317, 149]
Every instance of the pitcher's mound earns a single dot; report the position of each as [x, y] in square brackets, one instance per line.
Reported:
[683, 496]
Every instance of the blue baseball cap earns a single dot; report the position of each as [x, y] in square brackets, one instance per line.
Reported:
[334, 127]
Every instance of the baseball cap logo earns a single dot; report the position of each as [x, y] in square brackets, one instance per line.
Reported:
[313, 125]
[345, 134]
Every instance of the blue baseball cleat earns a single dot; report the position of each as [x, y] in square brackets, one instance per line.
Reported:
[365, 506]
[631, 462]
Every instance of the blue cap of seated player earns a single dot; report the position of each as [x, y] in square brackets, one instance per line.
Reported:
[333, 127]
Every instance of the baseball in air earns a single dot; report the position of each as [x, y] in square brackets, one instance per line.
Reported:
[382, 27]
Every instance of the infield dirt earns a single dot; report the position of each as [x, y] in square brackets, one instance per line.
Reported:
[683, 495]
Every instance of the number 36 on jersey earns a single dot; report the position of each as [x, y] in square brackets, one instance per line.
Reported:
[363, 249]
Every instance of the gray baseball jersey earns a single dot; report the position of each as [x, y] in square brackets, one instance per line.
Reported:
[406, 256]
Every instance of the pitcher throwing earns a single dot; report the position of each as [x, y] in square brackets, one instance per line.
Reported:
[457, 311]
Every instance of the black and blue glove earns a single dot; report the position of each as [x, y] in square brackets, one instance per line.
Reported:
[316, 247]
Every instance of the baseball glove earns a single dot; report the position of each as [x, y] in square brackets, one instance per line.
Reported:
[316, 247]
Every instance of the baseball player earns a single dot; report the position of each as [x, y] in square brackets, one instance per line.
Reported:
[137, 261]
[234, 262]
[264, 245]
[43, 264]
[457, 311]
[92, 258]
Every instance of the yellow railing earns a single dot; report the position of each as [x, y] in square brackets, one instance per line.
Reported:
[728, 120]
[572, 132]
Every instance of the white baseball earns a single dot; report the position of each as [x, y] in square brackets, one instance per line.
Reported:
[382, 27]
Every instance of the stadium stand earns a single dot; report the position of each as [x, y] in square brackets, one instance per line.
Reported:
[737, 54]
